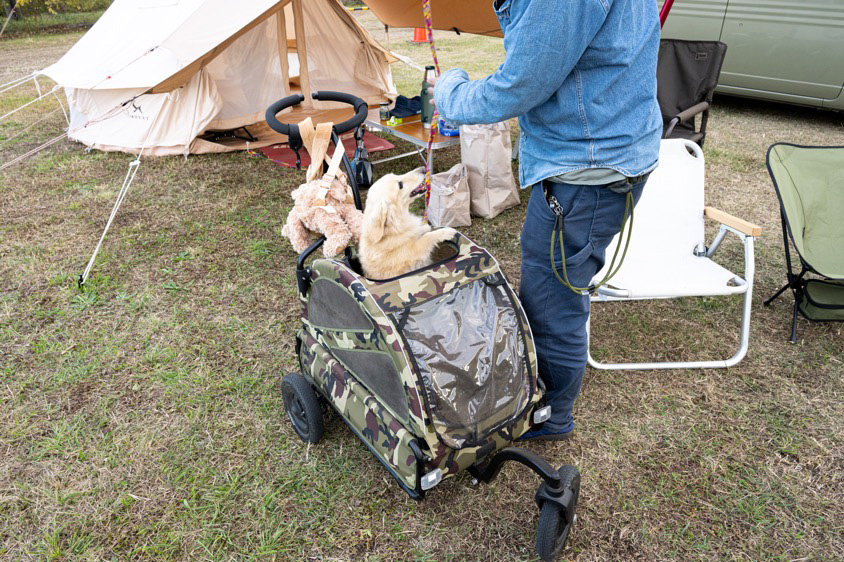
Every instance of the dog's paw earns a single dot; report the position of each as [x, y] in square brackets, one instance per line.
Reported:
[446, 233]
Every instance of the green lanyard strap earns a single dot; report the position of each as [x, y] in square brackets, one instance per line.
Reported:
[613, 269]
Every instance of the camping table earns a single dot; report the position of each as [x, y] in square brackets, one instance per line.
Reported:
[412, 131]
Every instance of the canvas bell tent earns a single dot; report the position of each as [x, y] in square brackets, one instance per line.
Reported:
[185, 76]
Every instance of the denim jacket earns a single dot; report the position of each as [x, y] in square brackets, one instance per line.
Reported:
[581, 77]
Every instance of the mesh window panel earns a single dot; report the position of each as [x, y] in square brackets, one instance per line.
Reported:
[331, 306]
[468, 348]
[377, 371]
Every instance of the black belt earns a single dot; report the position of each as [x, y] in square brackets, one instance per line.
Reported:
[625, 185]
[620, 186]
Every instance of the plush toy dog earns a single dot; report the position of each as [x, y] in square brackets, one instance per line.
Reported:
[323, 205]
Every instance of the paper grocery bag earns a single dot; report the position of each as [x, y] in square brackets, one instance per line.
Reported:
[486, 152]
[450, 198]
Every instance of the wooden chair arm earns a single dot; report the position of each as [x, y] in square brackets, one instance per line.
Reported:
[741, 225]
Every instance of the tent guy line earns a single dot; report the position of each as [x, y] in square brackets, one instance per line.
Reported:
[134, 165]
[111, 113]
[19, 81]
[124, 189]
[39, 98]
[30, 126]
[35, 150]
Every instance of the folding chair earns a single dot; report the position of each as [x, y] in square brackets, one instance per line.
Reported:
[686, 75]
[809, 181]
[667, 257]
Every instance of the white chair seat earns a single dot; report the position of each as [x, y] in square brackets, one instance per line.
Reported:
[678, 276]
[668, 227]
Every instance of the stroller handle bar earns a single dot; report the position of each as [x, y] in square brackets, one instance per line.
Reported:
[292, 131]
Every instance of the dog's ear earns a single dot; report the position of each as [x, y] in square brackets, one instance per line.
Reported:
[375, 220]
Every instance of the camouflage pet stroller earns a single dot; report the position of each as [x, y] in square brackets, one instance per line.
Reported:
[435, 370]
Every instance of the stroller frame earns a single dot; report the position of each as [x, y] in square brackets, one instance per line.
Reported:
[360, 351]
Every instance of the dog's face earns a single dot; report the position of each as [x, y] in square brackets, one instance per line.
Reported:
[389, 199]
[398, 191]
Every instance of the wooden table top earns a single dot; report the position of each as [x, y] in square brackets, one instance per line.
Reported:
[410, 129]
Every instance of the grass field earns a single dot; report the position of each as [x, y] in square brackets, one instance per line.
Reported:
[141, 419]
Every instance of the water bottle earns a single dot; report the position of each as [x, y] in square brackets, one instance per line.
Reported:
[427, 115]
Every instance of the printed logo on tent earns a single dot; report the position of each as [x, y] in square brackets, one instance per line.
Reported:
[136, 112]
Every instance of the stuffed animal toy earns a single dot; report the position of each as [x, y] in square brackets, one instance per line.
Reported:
[323, 205]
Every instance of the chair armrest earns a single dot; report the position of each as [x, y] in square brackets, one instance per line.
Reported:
[696, 109]
[741, 225]
[684, 116]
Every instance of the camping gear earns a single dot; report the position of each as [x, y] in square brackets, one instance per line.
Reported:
[435, 370]
[687, 74]
[450, 198]
[405, 107]
[174, 70]
[426, 97]
[667, 256]
[411, 130]
[809, 181]
[485, 151]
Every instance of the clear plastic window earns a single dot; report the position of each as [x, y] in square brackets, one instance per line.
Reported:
[469, 350]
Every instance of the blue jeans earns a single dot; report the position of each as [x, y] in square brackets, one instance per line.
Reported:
[557, 315]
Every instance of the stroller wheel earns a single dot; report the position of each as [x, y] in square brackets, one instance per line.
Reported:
[554, 525]
[302, 406]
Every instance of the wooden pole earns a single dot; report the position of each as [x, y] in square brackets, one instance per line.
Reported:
[282, 51]
[302, 51]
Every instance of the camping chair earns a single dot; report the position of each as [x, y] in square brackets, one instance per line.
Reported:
[686, 75]
[809, 181]
[667, 257]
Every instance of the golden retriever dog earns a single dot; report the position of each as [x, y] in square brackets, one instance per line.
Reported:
[393, 240]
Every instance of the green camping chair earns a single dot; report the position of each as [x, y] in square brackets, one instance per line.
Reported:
[809, 181]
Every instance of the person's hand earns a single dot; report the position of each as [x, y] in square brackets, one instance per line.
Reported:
[431, 90]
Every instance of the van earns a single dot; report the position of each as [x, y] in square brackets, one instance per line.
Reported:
[788, 51]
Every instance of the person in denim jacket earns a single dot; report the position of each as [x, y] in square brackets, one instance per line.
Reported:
[581, 77]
